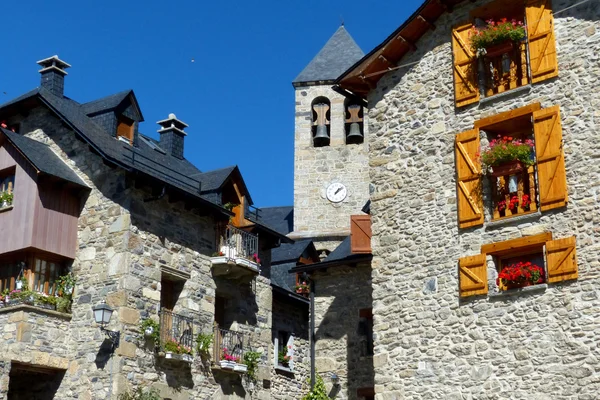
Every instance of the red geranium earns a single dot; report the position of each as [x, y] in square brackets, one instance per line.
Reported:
[521, 274]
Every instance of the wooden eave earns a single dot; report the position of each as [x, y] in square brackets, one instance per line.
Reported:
[366, 73]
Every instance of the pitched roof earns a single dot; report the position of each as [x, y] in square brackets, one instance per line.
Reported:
[42, 158]
[289, 251]
[338, 54]
[342, 255]
[280, 219]
[105, 103]
[213, 180]
[178, 173]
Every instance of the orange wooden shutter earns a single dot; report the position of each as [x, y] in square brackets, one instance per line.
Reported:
[472, 274]
[542, 44]
[468, 179]
[561, 259]
[360, 234]
[552, 177]
[466, 89]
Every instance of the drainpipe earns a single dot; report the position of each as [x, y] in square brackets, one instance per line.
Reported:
[312, 330]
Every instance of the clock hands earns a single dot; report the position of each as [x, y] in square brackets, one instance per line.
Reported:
[337, 191]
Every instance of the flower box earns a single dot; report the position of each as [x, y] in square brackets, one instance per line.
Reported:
[181, 357]
[227, 364]
[510, 168]
[46, 306]
[499, 48]
[519, 275]
[240, 368]
[187, 358]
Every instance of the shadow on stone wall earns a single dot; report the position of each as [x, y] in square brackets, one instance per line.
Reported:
[231, 383]
[28, 382]
[178, 375]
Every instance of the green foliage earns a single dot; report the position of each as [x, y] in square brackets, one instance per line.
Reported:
[283, 358]
[45, 299]
[229, 206]
[172, 346]
[497, 32]
[66, 284]
[319, 392]
[150, 323]
[505, 149]
[203, 341]
[251, 359]
[140, 394]
[6, 197]
[63, 304]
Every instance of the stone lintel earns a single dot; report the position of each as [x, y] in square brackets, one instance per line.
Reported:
[175, 273]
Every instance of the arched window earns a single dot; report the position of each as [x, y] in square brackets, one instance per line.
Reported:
[353, 122]
[321, 117]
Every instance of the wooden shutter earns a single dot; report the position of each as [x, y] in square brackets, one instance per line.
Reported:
[472, 273]
[552, 177]
[466, 89]
[561, 259]
[360, 234]
[468, 179]
[542, 44]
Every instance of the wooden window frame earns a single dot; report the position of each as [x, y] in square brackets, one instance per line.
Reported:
[125, 128]
[59, 269]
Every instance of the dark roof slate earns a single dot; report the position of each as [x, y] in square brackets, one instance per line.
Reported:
[105, 103]
[213, 180]
[280, 219]
[289, 251]
[341, 252]
[42, 157]
[339, 53]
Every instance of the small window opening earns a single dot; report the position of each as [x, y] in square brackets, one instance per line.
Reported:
[321, 117]
[7, 187]
[354, 122]
[521, 270]
[125, 129]
[365, 331]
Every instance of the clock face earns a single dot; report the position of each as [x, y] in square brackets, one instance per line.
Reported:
[336, 192]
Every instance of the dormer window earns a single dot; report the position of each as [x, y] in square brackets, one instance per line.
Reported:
[125, 129]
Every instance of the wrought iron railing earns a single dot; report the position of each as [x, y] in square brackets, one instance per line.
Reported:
[176, 328]
[229, 343]
[516, 197]
[253, 213]
[236, 243]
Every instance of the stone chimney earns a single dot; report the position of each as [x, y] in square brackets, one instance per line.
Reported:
[53, 74]
[172, 135]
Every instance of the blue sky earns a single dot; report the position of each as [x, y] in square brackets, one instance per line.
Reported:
[236, 96]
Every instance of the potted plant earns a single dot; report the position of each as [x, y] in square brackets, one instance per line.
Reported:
[150, 329]
[255, 258]
[251, 362]
[283, 358]
[229, 206]
[513, 204]
[507, 156]
[520, 275]
[203, 341]
[302, 289]
[176, 350]
[228, 360]
[6, 199]
[497, 37]
[525, 202]
[43, 300]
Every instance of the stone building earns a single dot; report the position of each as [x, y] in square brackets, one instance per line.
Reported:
[179, 252]
[446, 227]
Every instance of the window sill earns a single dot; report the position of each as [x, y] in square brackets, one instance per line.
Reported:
[39, 310]
[515, 292]
[504, 221]
[503, 95]
[7, 208]
[286, 370]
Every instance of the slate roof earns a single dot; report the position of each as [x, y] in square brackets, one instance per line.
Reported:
[176, 172]
[42, 157]
[280, 219]
[105, 103]
[289, 251]
[342, 255]
[339, 53]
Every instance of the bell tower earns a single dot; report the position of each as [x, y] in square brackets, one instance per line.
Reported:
[331, 178]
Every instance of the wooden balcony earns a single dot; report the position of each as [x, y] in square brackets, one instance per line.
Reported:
[504, 69]
[237, 254]
[502, 196]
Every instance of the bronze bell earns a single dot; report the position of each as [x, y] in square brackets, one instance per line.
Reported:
[354, 136]
[321, 136]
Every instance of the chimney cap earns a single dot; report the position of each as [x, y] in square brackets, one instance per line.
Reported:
[53, 63]
[172, 123]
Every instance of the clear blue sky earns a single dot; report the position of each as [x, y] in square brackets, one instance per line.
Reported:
[236, 96]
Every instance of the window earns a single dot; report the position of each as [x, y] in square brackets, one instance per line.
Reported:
[354, 122]
[125, 129]
[7, 186]
[365, 331]
[284, 357]
[557, 258]
[541, 186]
[45, 274]
[504, 66]
[321, 117]
[9, 274]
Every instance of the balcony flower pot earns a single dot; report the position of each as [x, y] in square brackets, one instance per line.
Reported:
[187, 358]
[227, 364]
[148, 332]
[499, 48]
[510, 168]
[240, 368]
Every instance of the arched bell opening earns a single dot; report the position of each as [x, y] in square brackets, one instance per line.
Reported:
[353, 122]
[321, 117]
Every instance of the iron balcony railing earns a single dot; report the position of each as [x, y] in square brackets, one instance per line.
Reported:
[236, 243]
[176, 328]
[229, 343]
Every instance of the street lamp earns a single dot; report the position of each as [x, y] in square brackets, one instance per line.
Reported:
[102, 314]
[335, 379]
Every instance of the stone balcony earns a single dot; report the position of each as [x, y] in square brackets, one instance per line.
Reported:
[238, 254]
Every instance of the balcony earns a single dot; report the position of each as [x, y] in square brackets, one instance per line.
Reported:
[504, 69]
[176, 336]
[237, 255]
[228, 350]
[514, 194]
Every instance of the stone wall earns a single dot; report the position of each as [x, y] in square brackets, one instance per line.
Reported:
[291, 316]
[315, 168]
[428, 343]
[340, 343]
[126, 245]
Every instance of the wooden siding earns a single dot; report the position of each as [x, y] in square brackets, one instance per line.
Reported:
[43, 218]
